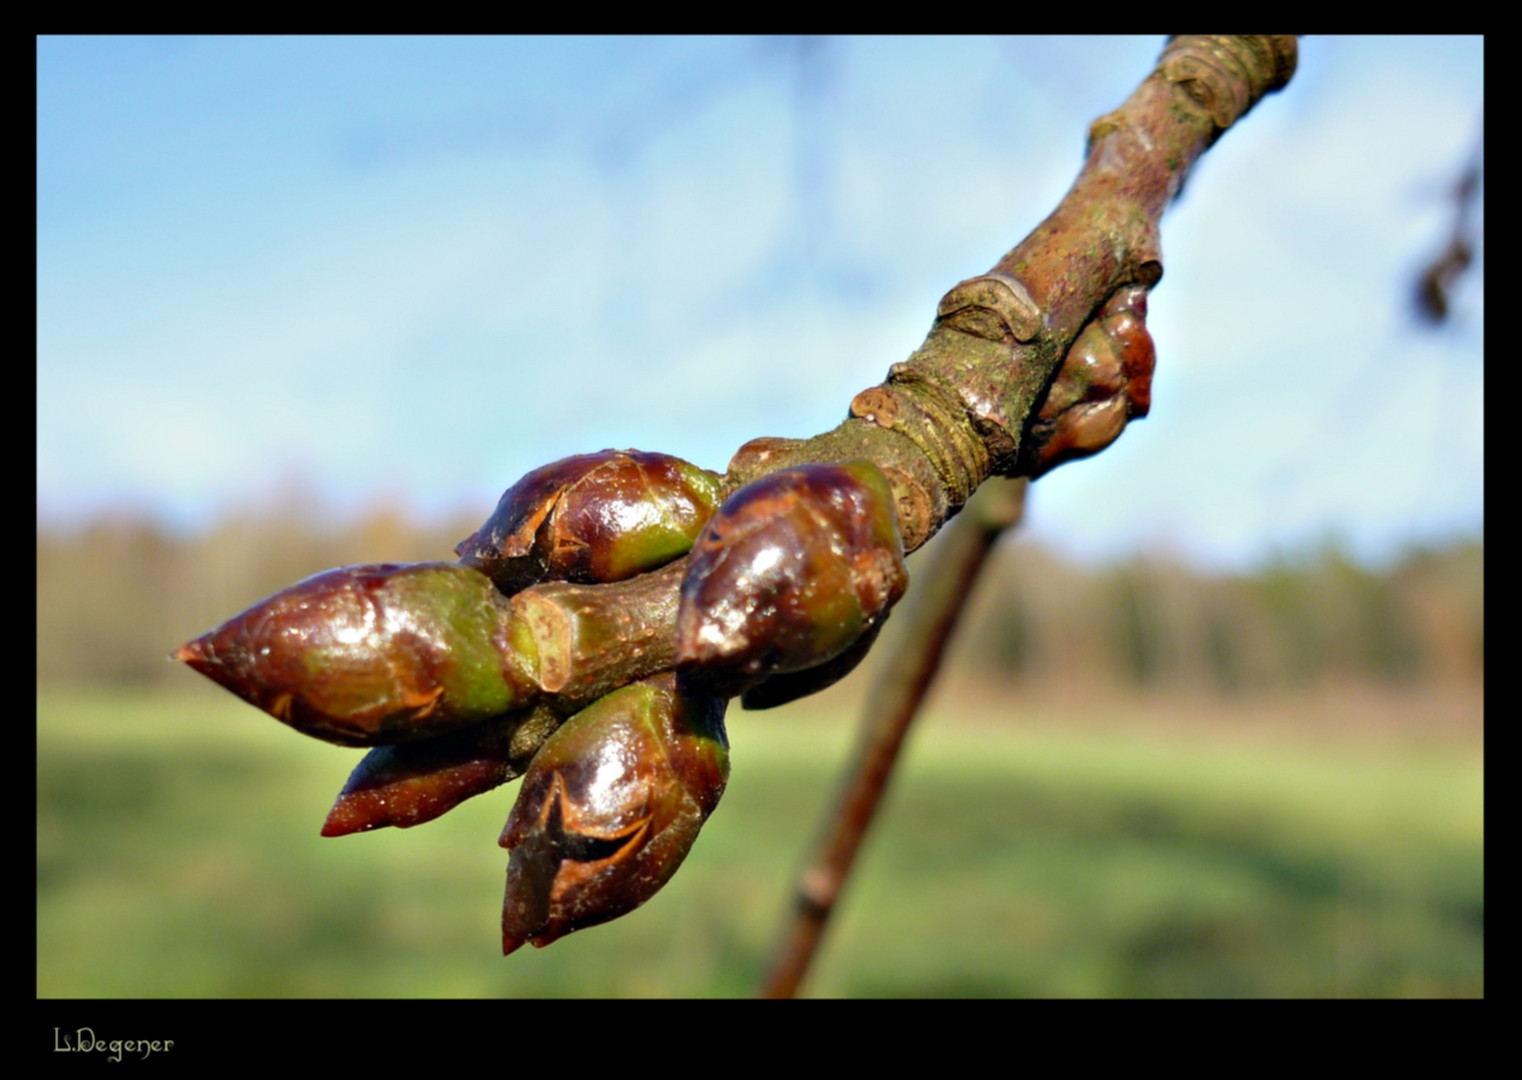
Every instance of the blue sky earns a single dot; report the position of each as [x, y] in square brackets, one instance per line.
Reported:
[406, 271]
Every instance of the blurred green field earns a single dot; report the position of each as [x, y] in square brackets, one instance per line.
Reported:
[178, 855]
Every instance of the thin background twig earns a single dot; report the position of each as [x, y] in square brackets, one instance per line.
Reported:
[931, 615]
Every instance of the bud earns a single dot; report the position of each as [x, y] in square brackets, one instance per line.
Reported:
[365, 655]
[593, 518]
[1104, 383]
[791, 571]
[609, 808]
[786, 687]
[406, 784]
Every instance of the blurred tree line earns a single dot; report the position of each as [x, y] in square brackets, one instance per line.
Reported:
[114, 598]
[1295, 621]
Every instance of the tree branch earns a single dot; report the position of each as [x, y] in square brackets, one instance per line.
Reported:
[953, 414]
[1040, 360]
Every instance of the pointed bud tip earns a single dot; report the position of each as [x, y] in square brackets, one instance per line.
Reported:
[343, 820]
[192, 652]
[469, 550]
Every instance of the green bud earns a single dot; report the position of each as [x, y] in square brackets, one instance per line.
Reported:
[609, 808]
[791, 571]
[593, 518]
[366, 655]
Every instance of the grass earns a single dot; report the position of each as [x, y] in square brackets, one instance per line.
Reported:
[178, 855]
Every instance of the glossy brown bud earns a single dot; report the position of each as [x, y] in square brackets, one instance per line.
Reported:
[366, 655]
[593, 518]
[791, 571]
[406, 784]
[1125, 324]
[609, 808]
[1105, 381]
[786, 687]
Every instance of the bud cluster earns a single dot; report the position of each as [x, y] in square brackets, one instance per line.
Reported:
[568, 645]
[462, 676]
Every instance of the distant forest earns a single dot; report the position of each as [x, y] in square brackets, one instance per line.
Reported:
[114, 598]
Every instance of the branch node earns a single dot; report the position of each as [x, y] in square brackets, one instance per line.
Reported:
[1105, 125]
[1227, 74]
[818, 890]
[994, 306]
[933, 421]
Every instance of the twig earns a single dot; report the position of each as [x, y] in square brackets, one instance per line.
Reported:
[1434, 288]
[931, 614]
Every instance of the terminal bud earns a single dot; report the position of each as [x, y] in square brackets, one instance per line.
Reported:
[366, 655]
